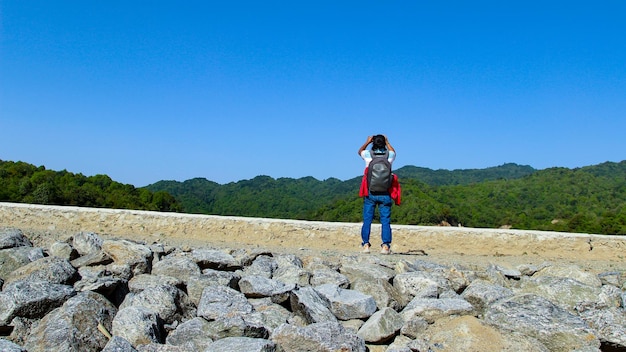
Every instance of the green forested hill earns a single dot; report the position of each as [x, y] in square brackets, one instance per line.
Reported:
[25, 183]
[307, 198]
[262, 196]
[464, 177]
[590, 199]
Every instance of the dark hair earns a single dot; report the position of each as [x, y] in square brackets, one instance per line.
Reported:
[379, 142]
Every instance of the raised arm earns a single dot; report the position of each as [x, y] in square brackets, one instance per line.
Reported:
[389, 147]
[367, 142]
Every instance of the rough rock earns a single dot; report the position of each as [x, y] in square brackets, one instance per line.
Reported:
[11, 238]
[191, 335]
[307, 303]
[170, 303]
[328, 276]
[138, 325]
[347, 304]
[221, 301]
[259, 287]
[74, 325]
[8, 346]
[125, 295]
[215, 259]
[432, 309]
[178, 266]
[31, 299]
[118, 344]
[324, 337]
[536, 317]
[480, 293]
[381, 326]
[51, 269]
[87, 243]
[14, 258]
[241, 344]
[138, 257]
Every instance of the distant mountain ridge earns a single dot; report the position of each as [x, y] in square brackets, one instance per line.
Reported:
[464, 176]
[590, 199]
[289, 197]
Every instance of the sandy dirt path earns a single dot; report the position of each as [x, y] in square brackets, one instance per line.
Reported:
[445, 245]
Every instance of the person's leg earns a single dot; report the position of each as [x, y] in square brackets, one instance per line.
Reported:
[368, 216]
[384, 210]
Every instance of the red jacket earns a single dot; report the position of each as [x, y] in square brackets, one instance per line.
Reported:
[395, 191]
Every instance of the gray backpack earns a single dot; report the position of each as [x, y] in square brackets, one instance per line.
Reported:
[379, 176]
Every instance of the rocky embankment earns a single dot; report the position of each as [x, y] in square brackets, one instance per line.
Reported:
[88, 293]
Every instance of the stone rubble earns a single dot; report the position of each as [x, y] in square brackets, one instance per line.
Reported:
[91, 294]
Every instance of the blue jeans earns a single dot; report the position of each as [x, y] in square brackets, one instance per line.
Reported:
[383, 202]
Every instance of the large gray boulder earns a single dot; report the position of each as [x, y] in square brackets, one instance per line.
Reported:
[138, 325]
[221, 301]
[31, 299]
[468, 333]
[290, 270]
[248, 325]
[143, 281]
[563, 291]
[224, 278]
[536, 317]
[382, 326]
[136, 256]
[328, 276]
[270, 314]
[432, 309]
[192, 335]
[98, 279]
[10, 238]
[573, 272]
[197, 283]
[307, 303]
[347, 304]
[51, 269]
[86, 243]
[420, 284]
[262, 265]
[383, 292]
[366, 272]
[176, 265]
[323, 337]
[170, 303]
[74, 325]
[215, 259]
[481, 293]
[16, 257]
[259, 287]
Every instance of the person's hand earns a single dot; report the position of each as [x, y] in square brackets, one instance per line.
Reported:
[370, 139]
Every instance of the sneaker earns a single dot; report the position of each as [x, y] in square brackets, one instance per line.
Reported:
[366, 248]
[385, 249]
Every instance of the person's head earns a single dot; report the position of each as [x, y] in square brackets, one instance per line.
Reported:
[379, 142]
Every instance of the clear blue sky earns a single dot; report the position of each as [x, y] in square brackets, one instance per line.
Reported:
[145, 91]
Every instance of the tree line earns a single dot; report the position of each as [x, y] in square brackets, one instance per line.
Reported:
[588, 200]
[25, 183]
